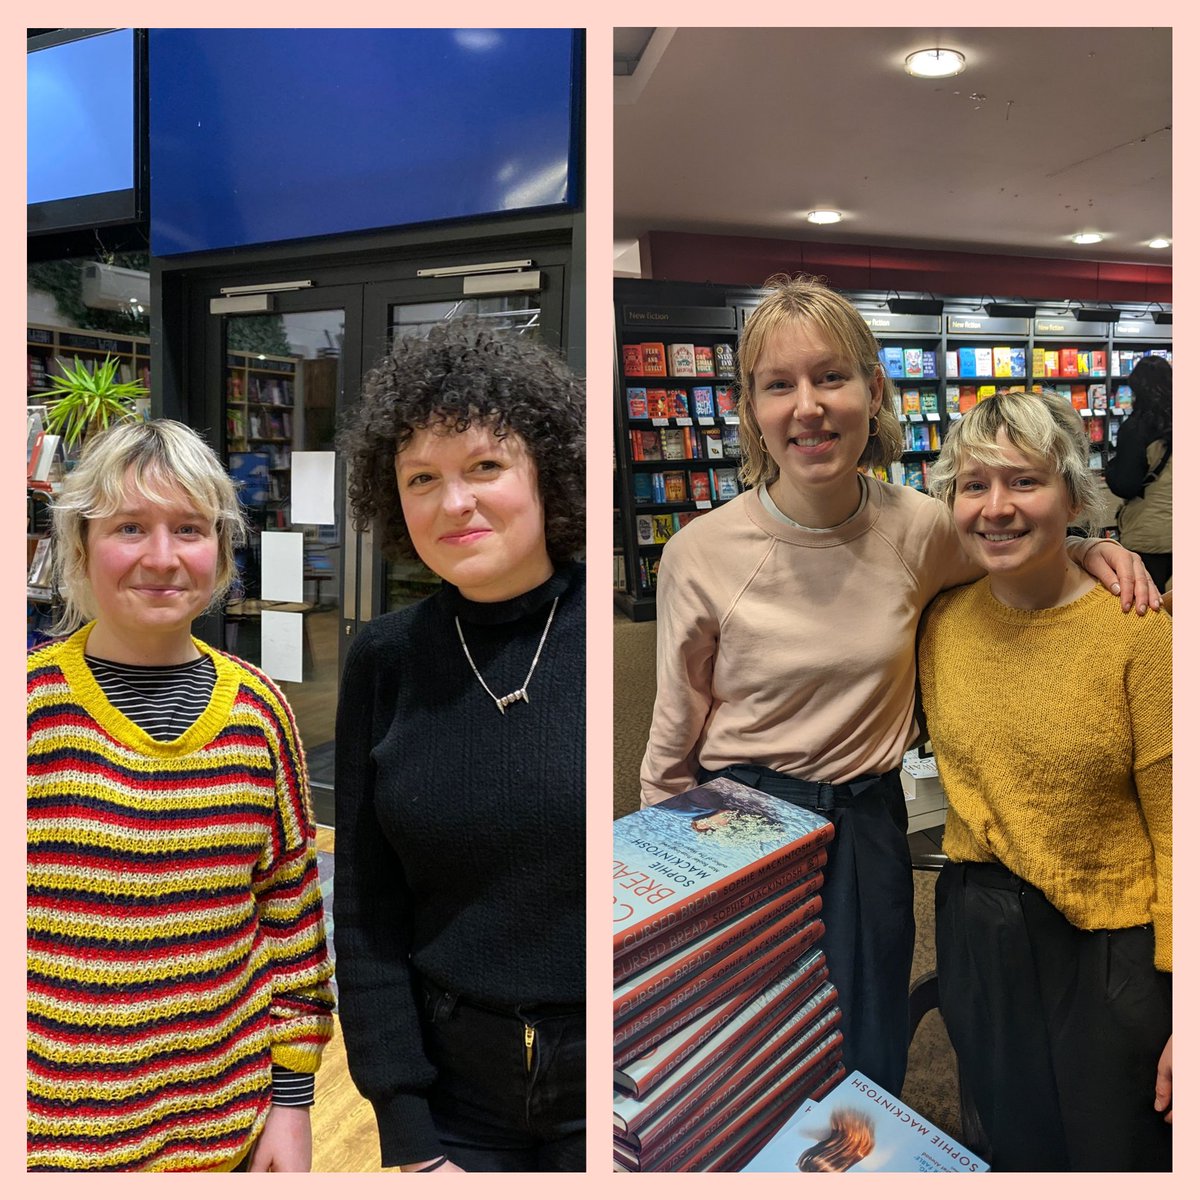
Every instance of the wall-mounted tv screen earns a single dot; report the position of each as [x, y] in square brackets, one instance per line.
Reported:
[85, 129]
[268, 135]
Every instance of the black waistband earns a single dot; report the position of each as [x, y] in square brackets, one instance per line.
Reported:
[446, 1001]
[993, 875]
[820, 795]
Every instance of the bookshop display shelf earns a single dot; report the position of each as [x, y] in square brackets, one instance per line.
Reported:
[939, 367]
[677, 434]
[51, 349]
[260, 407]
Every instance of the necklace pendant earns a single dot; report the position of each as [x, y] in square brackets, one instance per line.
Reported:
[502, 702]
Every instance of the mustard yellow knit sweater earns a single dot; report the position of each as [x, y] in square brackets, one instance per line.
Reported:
[1052, 731]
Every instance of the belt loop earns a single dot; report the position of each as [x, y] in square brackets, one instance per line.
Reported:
[446, 1003]
[824, 798]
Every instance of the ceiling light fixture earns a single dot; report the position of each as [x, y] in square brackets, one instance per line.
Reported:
[1159, 243]
[824, 216]
[1087, 239]
[934, 64]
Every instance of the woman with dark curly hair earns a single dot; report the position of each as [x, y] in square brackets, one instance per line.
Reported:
[1140, 470]
[458, 908]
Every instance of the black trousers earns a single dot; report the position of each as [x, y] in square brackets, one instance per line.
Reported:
[1058, 1030]
[867, 907]
[498, 1103]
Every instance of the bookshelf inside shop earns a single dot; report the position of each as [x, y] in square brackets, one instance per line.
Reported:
[676, 436]
[260, 409]
[50, 350]
[676, 430]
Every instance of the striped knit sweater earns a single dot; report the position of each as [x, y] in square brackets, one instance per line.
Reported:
[176, 943]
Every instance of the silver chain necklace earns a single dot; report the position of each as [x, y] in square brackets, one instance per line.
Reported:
[502, 702]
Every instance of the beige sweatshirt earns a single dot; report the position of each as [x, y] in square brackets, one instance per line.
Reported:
[795, 649]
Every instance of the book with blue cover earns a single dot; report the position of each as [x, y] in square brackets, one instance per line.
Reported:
[861, 1127]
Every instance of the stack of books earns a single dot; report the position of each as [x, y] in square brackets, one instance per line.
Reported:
[724, 1019]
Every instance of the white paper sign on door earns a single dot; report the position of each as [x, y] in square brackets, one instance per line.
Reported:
[283, 645]
[312, 487]
[283, 566]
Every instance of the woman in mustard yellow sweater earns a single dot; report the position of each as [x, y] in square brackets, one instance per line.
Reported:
[1051, 719]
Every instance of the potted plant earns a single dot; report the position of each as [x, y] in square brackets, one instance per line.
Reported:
[85, 400]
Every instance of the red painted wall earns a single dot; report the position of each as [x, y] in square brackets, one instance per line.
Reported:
[719, 258]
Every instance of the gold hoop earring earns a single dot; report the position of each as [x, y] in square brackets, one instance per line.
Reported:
[872, 432]
[762, 441]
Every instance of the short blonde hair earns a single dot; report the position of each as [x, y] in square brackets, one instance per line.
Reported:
[1041, 424]
[163, 456]
[807, 298]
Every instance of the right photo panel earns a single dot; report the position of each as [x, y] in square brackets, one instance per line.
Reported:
[892, 570]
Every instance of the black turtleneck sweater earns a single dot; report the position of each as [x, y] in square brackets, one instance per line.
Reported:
[459, 846]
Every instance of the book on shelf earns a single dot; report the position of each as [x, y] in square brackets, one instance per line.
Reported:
[677, 403]
[893, 361]
[984, 391]
[646, 444]
[642, 493]
[682, 358]
[718, 952]
[631, 358]
[983, 362]
[43, 466]
[966, 362]
[635, 402]
[724, 483]
[912, 363]
[674, 487]
[1068, 362]
[723, 359]
[712, 445]
[1096, 430]
[1039, 362]
[1052, 363]
[1001, 362]
[704, 360]
[968, 397]
[704, 402]
[1017, 360]
[700, 484]
[860, 1126]
[1079, 396]
[910, 400]
[41, 567]
[800, 875]
[657, 404]
[725, 398]
[951, 363]
[690, 851]
[645, 529]
[929, 364]
[672, 443]
[654, 358]
[952, 392]
[251, 475]
[664, 527]
[731, 441]
[929, 403]
[1098, 397]
[685, 518]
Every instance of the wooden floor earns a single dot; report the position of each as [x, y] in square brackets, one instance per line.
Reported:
[344, 1137]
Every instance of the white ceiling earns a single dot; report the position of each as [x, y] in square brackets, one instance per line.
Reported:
[1048, 132]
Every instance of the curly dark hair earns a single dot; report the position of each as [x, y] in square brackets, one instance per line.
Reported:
[468, 373]
[1150, 382]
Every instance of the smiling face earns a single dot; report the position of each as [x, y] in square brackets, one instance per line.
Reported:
[814, 408]
[152, 569]
[1013, 518]
[473, 510]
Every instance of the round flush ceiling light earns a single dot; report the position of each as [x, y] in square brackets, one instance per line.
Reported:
[1159, 243]
[934, 64]
[824, 216]
[1087, 239]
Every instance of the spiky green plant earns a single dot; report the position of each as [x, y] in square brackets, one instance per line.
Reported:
[84, 400]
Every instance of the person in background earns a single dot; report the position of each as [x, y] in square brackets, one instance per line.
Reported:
[1050, 716]
[460, 769]
[786, 635]
[1140, 470]
[178, 979]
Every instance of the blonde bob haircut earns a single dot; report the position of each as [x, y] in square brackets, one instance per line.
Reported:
[1042, 425]
[158, 458]
[808, 299]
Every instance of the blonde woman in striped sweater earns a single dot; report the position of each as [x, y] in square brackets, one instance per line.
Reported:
[178, 994]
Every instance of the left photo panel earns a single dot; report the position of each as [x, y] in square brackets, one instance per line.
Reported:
[306, 600]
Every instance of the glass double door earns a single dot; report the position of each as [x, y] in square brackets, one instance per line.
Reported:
[307, 579]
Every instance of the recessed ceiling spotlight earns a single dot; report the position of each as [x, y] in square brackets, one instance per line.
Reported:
[1087, 239]
[934, 64]
[1159, 243]
[824, 216]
